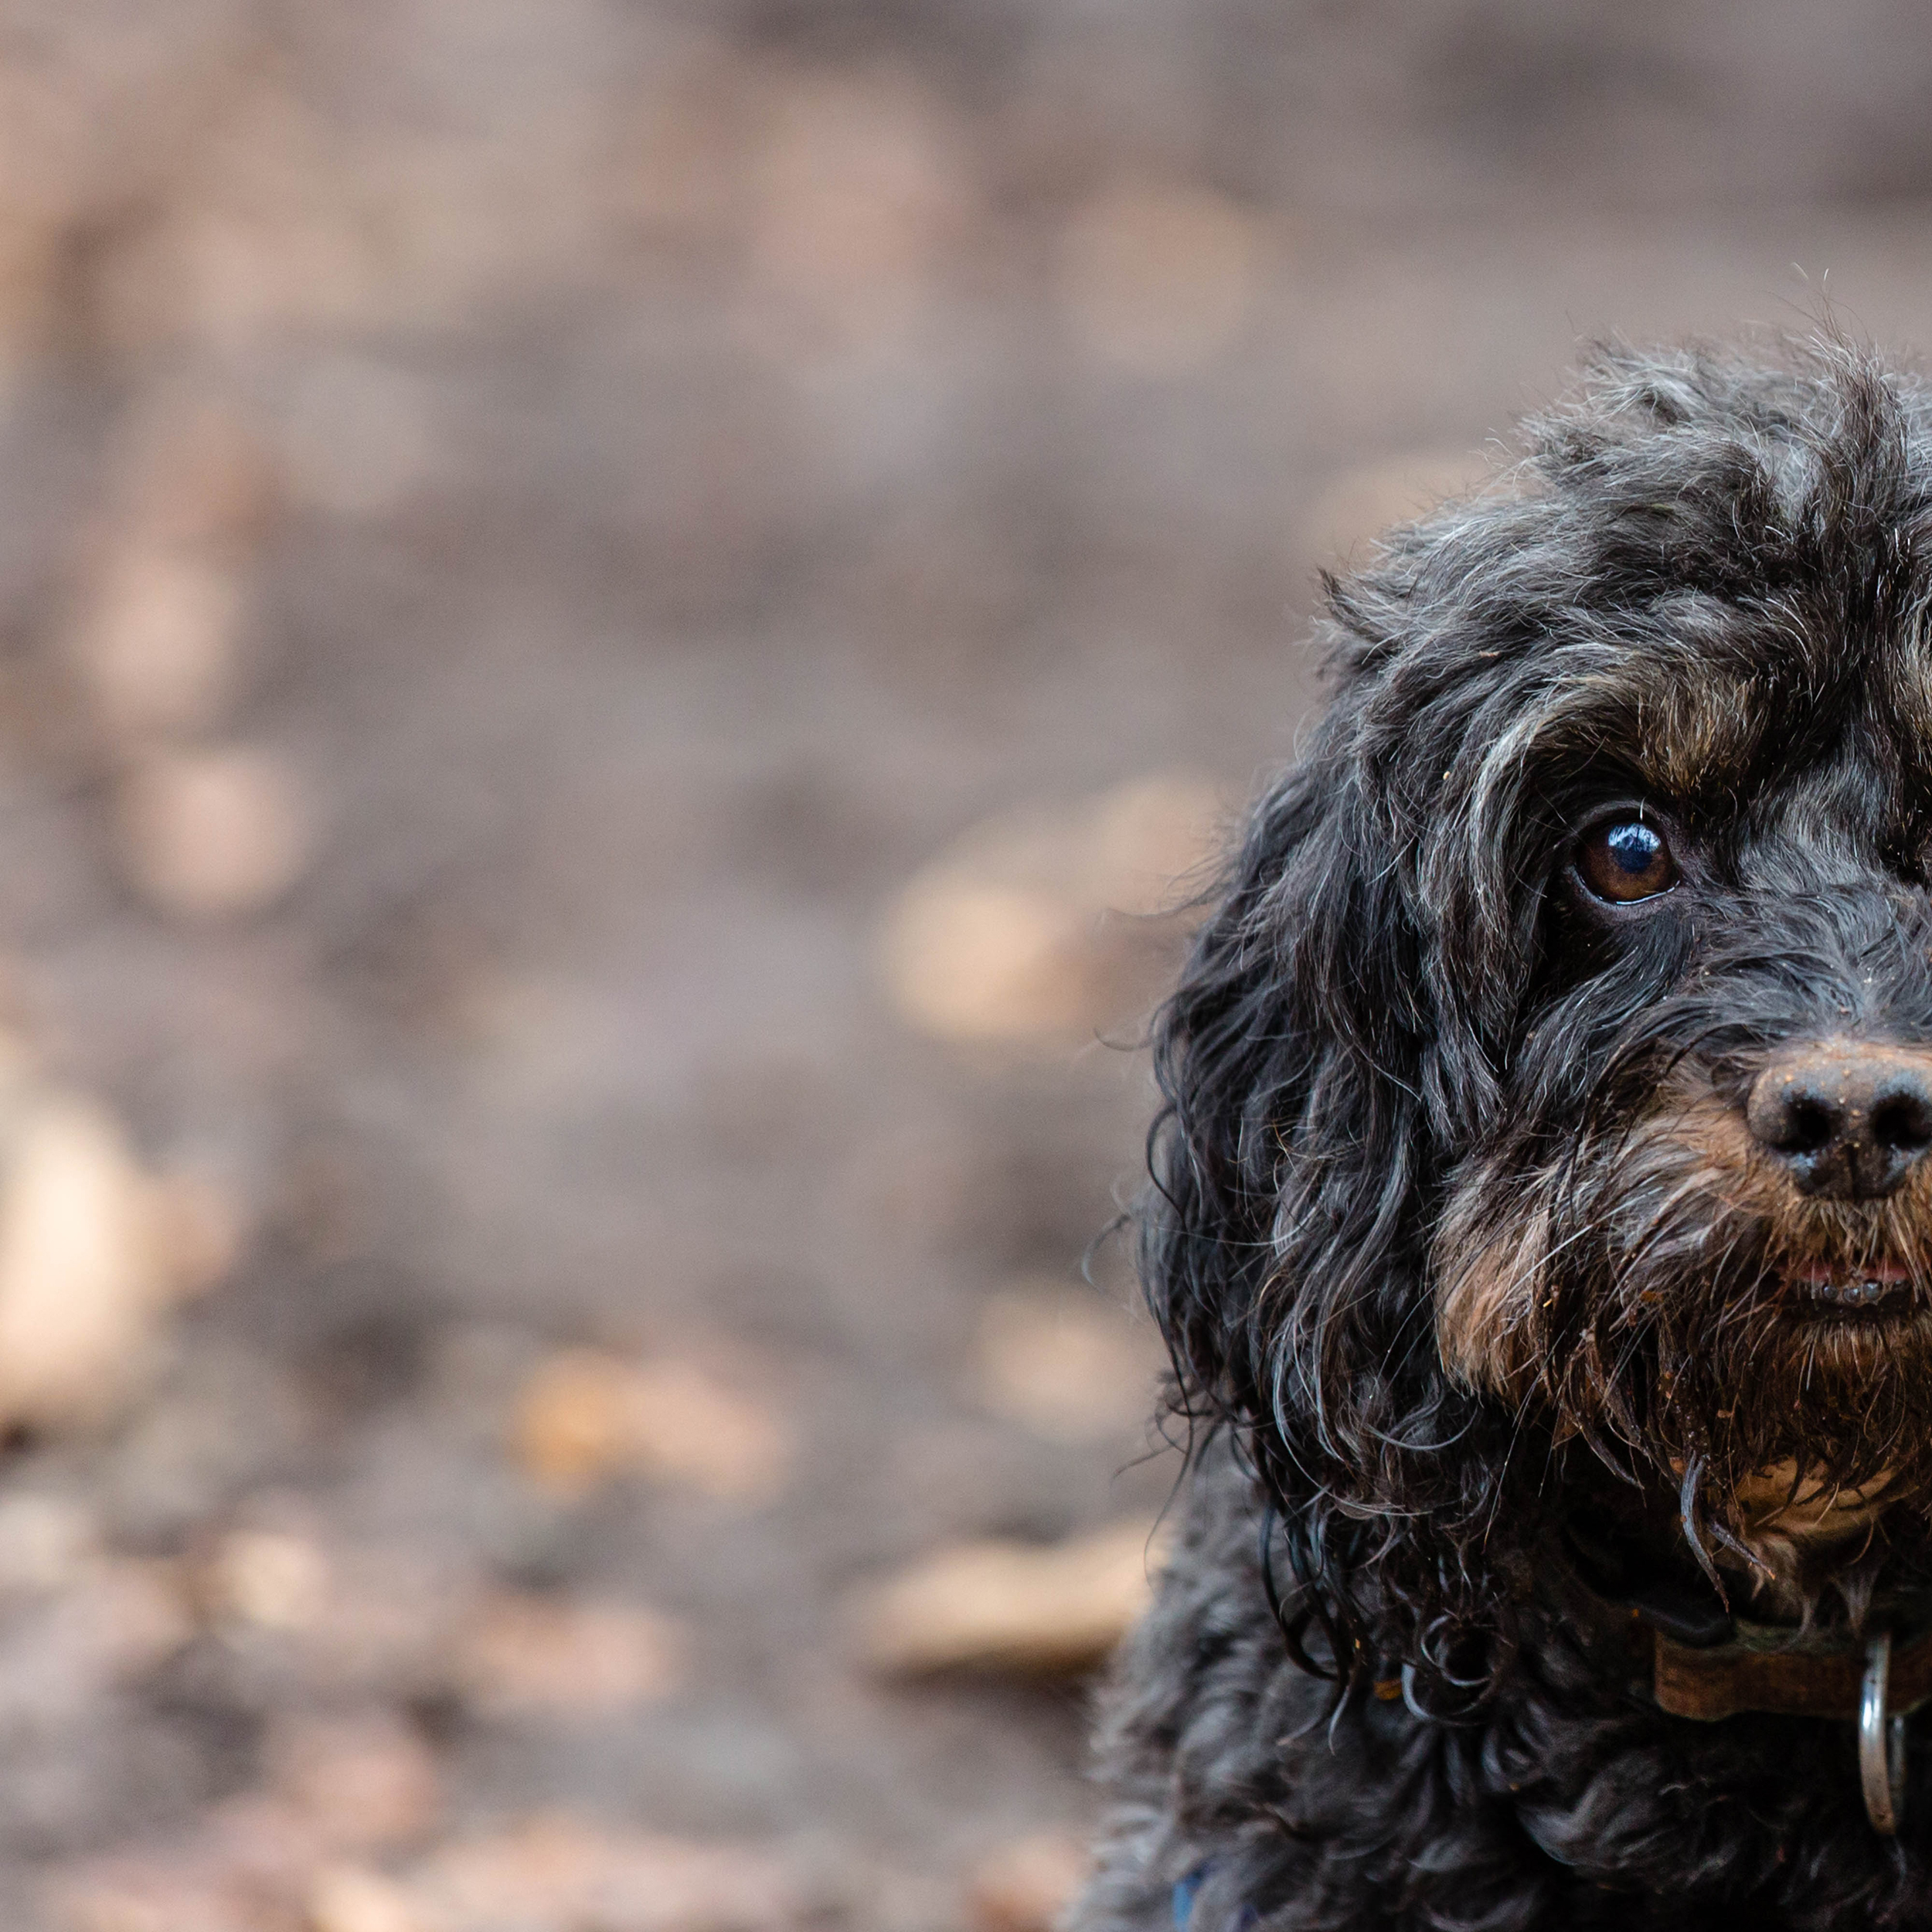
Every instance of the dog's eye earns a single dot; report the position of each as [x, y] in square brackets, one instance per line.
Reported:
[1627, 859]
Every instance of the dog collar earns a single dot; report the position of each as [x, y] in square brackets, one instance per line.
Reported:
[1705, 1665]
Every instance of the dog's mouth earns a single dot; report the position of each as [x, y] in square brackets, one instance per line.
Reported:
[1882, 1290]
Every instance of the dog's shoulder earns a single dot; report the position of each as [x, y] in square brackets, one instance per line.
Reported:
[1190, 1718]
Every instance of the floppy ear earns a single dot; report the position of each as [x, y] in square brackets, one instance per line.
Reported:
[1285, 1237]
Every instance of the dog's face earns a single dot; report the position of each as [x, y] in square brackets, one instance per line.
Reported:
[1559, 1069]
[1699, 1222]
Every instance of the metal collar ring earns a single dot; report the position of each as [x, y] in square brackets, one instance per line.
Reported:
[1881, 1741]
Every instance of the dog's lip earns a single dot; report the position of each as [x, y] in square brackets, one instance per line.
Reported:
[1882, 1286]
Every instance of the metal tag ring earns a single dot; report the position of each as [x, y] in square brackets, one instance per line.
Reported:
[1881, 1742]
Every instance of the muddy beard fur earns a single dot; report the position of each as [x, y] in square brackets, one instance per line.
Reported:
[1642, 1297]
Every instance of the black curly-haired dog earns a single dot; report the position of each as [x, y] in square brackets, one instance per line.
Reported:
[1541, 1226]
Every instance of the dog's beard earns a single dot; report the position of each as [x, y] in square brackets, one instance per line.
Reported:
[1662, 1292]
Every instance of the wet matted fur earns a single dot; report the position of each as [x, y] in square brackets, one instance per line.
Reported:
[1471, 1269]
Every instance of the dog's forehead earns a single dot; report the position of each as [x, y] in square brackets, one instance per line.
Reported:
[1699, 726]
[1783, 718]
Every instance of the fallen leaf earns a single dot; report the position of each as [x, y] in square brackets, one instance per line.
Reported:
[555, 1870]
[85, 1269]
[159, 644]
[1027, 1886]
[268, 1578]
[348, 1898]
[1156, 278]
[214, 834]
[1063, 1362]
[585, 1415]
[530, 1655]
[362, 1783]
[1009, 1607]
[1016, 933]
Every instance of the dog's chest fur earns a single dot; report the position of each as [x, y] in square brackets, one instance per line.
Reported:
[1568, 1803]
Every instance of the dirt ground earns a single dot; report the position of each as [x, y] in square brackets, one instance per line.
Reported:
[583, 586]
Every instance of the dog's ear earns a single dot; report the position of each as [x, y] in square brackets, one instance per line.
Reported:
[1284, 1252]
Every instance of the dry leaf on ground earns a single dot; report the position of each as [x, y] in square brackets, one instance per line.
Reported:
[348, 1898]
[1157, 278]
[361, 1783]
[529, 1655]
[555, 1870]
[585, 1415]
[271, 1579]
[213, 834]
[1027, 1886]
[1064, 1363]
[159, 646]
[92, 1252]
[999, 1606]
[1013, 933]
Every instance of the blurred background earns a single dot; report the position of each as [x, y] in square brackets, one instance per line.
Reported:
[620, 626]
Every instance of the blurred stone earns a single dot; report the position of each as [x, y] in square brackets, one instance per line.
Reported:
[87, 1263]
[271, 1579]
[348, 1898]
[585, 1415]
[223, 1411]
[1006, 936]
[1027, 1886]
[158, 645]
[77, 1645]
[541, 1656]
[1007, 1607]
[211, 834]
[1358, 505]
[359, 437]
[363, 1783]
[1064, 1363]
[556, 1871]
[1156, 278]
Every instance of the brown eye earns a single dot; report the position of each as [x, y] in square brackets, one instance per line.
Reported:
[1627, 859]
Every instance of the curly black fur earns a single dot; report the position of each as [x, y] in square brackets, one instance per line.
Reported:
[1473, 1280]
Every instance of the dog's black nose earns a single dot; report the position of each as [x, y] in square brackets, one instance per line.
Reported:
[1849, 1118]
